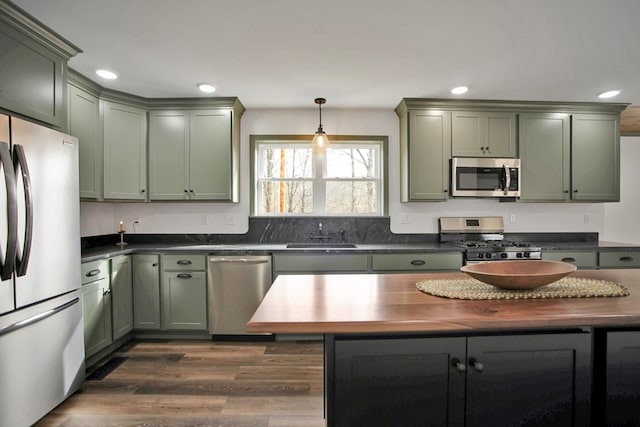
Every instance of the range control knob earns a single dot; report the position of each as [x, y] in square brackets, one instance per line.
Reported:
[527, 255]
[519, 255]
[504, 255]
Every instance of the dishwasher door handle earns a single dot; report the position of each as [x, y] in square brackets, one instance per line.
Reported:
[239, 260]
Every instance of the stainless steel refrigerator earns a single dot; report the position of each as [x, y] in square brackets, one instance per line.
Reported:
[41, 330]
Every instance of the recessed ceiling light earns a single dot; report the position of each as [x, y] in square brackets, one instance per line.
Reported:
[106, 74]
[609, 94]
[206, 87]
[459, 90]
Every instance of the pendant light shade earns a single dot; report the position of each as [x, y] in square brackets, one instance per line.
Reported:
[320, 140]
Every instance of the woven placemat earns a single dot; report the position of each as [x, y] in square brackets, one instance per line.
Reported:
[568, 287]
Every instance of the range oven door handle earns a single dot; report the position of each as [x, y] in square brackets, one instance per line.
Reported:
[20, 166]
[8, 263]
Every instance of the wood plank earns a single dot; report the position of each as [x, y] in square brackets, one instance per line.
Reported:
[391, 303]
[630, 121]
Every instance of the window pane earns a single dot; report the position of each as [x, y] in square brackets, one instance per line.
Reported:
[286, 197]
[351, 197]
[352, 162]
[285, 162]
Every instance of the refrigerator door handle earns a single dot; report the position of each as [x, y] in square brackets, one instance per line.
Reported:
[22, 257]
[8, 264]
[26, 322]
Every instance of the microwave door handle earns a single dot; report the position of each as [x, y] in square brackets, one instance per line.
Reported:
[507, 179]
[20, 162]
[8, 264]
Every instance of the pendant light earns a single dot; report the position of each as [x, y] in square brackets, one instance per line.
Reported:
[320, 140]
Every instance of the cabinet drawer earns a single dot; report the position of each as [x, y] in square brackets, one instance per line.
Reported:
[417, 261]
[183, 262]
[95, 270]
[623, 259]
[579, 259]
[304, 263]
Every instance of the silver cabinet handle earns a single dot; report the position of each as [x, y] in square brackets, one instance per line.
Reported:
[184, 276]
[418, 262]
[458, 365]
[106, 291]
[238, 260]
[569, 259]
[626, 258]
[477, 366]
[184, 262]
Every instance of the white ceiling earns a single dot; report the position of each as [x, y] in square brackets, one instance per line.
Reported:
[355, 53]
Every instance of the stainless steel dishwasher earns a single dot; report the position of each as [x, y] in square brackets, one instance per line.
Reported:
[236, 285]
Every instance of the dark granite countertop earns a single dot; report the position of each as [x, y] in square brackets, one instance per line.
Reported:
[107, 251]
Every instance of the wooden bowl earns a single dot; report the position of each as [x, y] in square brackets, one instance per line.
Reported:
[519, 274]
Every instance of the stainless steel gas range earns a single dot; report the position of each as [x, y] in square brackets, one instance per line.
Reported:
[483, 239]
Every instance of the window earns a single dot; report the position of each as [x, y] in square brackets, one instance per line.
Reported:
[289, 179]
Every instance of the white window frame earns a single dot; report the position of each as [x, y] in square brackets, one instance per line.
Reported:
[319, 177]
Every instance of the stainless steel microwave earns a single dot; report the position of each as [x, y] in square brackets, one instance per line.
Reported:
[485, 177]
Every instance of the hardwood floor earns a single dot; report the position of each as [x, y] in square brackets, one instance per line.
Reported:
[202, 383]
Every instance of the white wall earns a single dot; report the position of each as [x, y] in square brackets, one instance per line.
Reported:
[622, 218]
[103, 218]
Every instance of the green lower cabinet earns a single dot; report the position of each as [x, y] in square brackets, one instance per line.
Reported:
[184, 300]
[582, 260]
[96, 314]
[620, 259]
[121, 296]
[407, 263]
[318, 263]
[146, 292]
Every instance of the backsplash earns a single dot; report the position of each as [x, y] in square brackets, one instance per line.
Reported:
[294, 230]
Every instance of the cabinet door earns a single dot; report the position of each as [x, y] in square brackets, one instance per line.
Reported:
[122, 296]
[32, 78]
[587, 260]
[84, 124]
[623, 378]
[389, 382]
[425, 158]
[184, 300]
[318, 263]
[595, 157]
[210, 151]
[96, 314]
[467, 135]
[544, 145]
[168, 155]
[146, 292]
[477, 134]
[529, 380]
[399, 263]
[125, 154]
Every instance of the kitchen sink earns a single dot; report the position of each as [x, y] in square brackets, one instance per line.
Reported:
[327, 245]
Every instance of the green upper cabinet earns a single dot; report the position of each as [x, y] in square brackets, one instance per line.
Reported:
[193, 155]
[595, 157]
[570, 157]
[33, 67]
[85, 124]
[544, 146]
[125, 153]
[425, 150]
[483, 134]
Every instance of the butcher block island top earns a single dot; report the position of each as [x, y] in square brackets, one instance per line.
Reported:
[369, 303]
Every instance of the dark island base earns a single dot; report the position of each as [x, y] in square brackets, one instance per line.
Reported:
[554, 377]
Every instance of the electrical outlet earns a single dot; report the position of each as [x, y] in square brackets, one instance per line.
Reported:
[512, 218]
